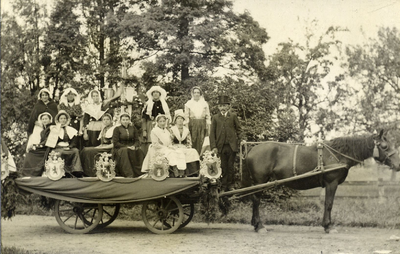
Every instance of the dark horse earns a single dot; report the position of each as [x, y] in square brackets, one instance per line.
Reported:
[274, 161]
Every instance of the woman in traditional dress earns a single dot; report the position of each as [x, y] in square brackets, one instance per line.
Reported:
[156, 105]
[161, 146]
[44, 104]
[198, 118]
[92, 123]
[70, 103]
[182, 141]
[63, 139]
[36, 151]
[88, 154]
[126, 151]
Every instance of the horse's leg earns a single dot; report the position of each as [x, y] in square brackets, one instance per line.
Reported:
[255, 220]
[330, 191]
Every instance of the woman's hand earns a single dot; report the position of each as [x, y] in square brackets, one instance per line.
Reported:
[132, 147]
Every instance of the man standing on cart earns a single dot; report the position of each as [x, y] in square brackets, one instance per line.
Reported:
[225, 129]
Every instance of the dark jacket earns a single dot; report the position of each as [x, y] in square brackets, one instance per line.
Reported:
[38, 109]
[123, 137]
[224, 130]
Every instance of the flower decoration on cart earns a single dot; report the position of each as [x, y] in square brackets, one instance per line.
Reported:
[159, 171]
[210, 166]
[54, 166]
[105, 167]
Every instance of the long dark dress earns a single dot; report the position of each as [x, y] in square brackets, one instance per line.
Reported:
[33, 164]
[39, 108]
[93, 128]
[128, 161]
[88, 154]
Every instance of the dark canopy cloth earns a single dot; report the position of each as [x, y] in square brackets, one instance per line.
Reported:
[93, 190]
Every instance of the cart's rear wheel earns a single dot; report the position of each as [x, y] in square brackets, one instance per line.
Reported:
[74, 217]
[163, 216]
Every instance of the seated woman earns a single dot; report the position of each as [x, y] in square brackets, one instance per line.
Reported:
[36, 151]
[161, 145]
[181, 140]
[88, 154]
[63, 139]
[126, 151]
[92, 123]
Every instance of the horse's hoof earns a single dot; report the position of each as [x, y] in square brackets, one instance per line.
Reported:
[259, 228]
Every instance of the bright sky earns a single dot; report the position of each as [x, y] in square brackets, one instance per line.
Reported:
[285, 19]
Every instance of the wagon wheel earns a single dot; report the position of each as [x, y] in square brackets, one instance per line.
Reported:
[110, 213]
[188, 212]
[163, 216]
[74, 217]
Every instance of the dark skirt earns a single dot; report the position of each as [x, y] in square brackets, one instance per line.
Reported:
[93, 138]
[72, 162]
[128, 162]
[34, 162]
[88, 159]
[198, 132]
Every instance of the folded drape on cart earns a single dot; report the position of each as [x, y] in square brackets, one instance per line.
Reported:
[119, 190]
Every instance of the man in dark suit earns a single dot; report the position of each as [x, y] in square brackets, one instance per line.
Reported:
[225, 129]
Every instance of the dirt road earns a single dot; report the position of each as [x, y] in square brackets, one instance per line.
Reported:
[42, 233]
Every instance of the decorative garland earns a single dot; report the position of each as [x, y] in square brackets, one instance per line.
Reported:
[9, 195]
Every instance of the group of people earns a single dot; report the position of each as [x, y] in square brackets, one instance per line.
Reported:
[80, 134]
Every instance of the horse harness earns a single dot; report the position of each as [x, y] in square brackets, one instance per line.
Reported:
[321, 146]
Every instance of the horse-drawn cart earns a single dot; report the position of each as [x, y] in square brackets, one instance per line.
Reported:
[83, 204]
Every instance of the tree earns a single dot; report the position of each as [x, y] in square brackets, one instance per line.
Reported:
[65, 46]
[375, 66]
[192, 40]
[299, 78]
[26, 48]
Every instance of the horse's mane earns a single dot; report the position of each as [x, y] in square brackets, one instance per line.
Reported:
[358, 147]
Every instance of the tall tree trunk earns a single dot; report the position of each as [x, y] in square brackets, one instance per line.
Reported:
[182, 33]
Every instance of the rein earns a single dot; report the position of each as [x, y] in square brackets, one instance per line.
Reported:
[330, 149]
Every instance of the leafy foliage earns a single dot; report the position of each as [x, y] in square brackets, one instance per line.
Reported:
[376, 67]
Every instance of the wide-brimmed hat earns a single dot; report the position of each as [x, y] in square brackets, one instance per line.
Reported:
[45, 114]
[64, 100]
[159, 116]
[44, 90]
[179, 113]
[223, 99]
[62, 112]
[163, 93]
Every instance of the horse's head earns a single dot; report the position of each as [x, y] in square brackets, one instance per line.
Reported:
[387, 152]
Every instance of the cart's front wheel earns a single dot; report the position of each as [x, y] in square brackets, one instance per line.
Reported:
[163, 216]
[110, 213]
[188, 212]
[74, 217]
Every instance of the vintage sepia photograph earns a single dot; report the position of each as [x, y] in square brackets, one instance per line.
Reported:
[200, 126]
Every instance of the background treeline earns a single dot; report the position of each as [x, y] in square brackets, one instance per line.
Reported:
[177, 44]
